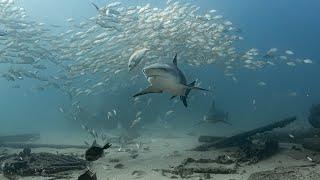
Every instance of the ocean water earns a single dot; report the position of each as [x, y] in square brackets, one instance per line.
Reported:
[288, 90]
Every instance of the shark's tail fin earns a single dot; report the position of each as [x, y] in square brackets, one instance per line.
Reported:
[190, 86]
[184, 98]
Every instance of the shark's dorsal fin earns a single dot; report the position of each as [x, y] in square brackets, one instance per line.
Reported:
[175, 60]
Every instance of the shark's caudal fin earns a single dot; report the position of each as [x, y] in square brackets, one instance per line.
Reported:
[184, 98]
[188, 89]
[148, 90]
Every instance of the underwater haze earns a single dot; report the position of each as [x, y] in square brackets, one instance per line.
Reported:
[76, 70]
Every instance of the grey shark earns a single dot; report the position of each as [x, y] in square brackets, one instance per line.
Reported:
[215, 116]
[168, 78]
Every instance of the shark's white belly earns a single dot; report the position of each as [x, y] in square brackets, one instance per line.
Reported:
[167, 85]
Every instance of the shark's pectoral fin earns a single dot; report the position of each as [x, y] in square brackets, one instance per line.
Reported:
[184, 100]
[148, 90]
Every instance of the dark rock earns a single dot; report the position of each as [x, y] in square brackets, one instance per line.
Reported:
[88, 175]
[134, 156]
[44, 164]
[311, 143]
[119, 166]
[254, 152]
[314, 117]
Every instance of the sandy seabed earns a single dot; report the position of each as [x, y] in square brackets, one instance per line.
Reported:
[163, 153]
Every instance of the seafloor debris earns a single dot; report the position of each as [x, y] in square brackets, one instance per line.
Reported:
[119, 166]
[88, 175]
[253, 152]
[312, 143]
[27, 163]
[190, 166]
[241, 138]
[138, 173]
[314, 117]
[288, 173]
[284, 135]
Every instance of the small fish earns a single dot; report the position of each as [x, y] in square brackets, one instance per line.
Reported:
[309, 158]
[136, 58]
[254, 101]
[291, 64]
[293, 94]
[289, 52]
[114, 112]
[307, 61]
[61, 109]
[261, 83]
[138, 114]
[291, 136]
[95, 151]
[135, 122]
[138, 146]
[84, 127]
[169, 112]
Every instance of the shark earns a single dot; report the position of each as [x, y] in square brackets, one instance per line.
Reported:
[215, 116]
[168, 78]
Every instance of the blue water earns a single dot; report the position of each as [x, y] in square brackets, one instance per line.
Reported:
[286, 24]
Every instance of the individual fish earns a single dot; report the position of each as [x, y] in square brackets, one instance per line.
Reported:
[261, 83]
[136, 58]
[95, 151]
[307, 61]
[309, 158]
[135, 122]
[169, 78]
[138, 114]
[293, 94]
[270, 53]
[289, 52]
[61, 109]
[291, 136]
[169, 112]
